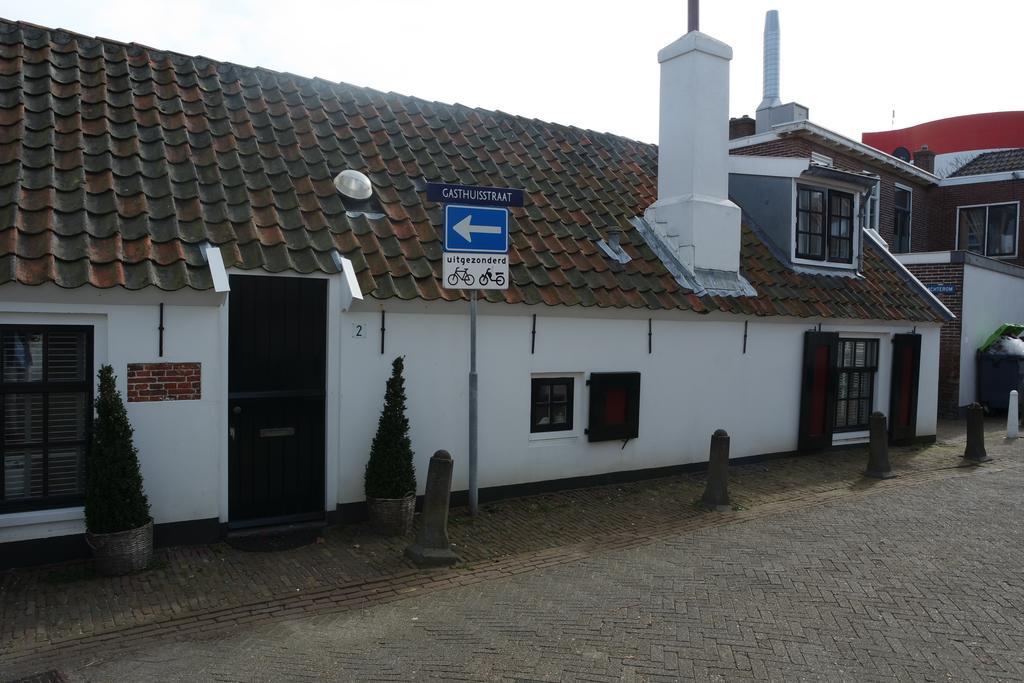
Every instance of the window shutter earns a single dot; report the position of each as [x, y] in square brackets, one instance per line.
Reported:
[818, 391]
[906, 368]
[614, 406]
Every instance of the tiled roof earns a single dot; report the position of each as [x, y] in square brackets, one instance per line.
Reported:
[117, 161]
[992, 162]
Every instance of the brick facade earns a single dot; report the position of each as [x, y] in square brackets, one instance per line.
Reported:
[920, 227]
[164, 382]
[949, 336]
[946, 199]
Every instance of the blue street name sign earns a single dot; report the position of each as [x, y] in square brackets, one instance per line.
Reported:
[476, 228]
[474, 195]
[941, 289]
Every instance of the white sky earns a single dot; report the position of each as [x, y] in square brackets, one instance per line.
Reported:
[593, 63]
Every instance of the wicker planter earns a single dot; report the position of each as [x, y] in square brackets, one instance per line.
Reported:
[122, 552]
[392, 516]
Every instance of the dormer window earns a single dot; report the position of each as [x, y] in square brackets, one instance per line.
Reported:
[824, 224]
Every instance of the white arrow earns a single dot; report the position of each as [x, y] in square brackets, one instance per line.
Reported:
[465, 229]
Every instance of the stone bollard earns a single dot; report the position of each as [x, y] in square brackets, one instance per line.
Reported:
[1012, 419]
[878, 450]
[975, 451]
[431, 548]
[716, 494]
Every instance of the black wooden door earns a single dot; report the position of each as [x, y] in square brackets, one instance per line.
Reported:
[276, 399]
[818, 391]
[906, 370]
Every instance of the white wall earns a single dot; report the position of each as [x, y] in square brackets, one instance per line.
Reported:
[989, 300]
[179, 442]
[696, 380]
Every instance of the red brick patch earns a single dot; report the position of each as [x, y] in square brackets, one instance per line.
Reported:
[164, 382]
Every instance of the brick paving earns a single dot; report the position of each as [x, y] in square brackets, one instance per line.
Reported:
[47, 614]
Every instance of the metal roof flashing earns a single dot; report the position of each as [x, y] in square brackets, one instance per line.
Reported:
[701, 281]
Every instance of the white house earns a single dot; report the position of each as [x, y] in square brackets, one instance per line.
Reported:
[177, 218]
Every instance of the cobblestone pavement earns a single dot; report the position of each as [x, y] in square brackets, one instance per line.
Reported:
[50, 614]
[922, 582]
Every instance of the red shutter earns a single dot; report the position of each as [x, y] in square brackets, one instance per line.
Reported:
[906, 369]
[818, 391]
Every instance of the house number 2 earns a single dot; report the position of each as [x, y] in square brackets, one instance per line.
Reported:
[358, 331]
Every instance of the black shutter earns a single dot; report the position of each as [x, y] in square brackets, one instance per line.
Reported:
[906, 371]
[818, 391]
[614, 406]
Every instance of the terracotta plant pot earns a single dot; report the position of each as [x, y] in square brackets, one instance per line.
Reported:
[392, 516]
[122, 552]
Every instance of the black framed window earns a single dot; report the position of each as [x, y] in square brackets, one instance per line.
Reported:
[46, 407]
[810, 223]
[824, 224]
[901, 220]
[840, 234]
[856, 365]
[990, 229]
[614, 406]
[552, 404]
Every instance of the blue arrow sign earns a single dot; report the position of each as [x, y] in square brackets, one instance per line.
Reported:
[475, 228]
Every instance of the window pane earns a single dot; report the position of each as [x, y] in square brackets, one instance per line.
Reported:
[859, 354]
[23, 473]
[23, 418]
[559, 393]
[66, 357]
[972, 229]
[65, 476]
[803, 200]
[67, 417]
[817, 225]
[803, 221]
[841, 413]
[902, 198]
[816, 246]
[543, 393]
[559, 414]
[818, 201]
[22, 357]
[1002, 230]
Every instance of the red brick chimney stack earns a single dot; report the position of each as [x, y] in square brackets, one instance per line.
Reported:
[924, 159]
[741, 127]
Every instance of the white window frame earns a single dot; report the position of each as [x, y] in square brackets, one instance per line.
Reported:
[856, 247]
[984, 246]
[538, 438]
[910, 220]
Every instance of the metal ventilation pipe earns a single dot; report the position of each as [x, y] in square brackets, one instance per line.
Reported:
[771, 61]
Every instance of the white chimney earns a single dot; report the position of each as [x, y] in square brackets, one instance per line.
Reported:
[693, 216]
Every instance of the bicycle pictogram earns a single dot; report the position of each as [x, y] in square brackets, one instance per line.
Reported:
[462, 275]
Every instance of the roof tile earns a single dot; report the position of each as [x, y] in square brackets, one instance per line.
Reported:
[116, 161]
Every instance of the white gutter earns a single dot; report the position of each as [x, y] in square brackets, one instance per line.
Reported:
[983, 178]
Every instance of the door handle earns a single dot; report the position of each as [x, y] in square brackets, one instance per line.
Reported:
[231, 433]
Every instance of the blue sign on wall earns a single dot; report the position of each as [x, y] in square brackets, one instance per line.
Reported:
[941, 289]
[476, 228]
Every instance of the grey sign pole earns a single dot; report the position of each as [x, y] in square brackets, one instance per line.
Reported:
[473, 509]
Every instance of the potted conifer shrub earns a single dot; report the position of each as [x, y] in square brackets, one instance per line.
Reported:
[117, 523]
[390, 482]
